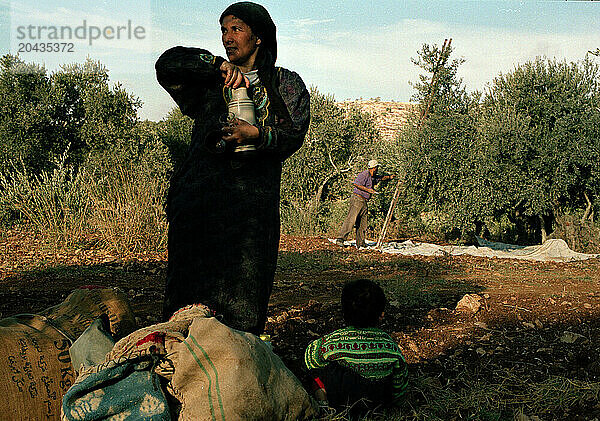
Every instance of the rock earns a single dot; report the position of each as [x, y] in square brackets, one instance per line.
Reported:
[470, 303]
[481, 325]
[480, 351]
[538, 324]
[587, 305]
[486, 337]
[570, 337]
[486, 296]
[529, 325]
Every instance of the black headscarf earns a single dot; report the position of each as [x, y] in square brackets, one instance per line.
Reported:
[258, 19]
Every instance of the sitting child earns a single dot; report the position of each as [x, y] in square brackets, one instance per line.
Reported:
[359, 362]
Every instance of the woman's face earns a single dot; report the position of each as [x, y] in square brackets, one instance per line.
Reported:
[241, 45]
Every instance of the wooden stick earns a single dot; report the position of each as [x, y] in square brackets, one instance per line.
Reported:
[388, 217]
[441, 58]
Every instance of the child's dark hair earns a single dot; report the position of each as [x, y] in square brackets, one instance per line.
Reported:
[363, 301]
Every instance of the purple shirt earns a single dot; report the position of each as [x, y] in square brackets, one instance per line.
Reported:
[365, 179]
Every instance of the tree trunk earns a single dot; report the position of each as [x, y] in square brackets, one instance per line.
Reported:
[589, 210]
[317, 198]
[543, 229]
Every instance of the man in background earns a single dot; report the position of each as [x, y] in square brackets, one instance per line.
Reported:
[358, 212]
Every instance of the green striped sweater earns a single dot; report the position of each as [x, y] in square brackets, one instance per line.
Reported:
[370, 352]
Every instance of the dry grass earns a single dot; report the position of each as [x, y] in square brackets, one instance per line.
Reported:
[53, 203]
[121, 207]
[127, 210]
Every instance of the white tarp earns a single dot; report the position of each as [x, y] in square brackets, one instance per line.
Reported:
[554, 250]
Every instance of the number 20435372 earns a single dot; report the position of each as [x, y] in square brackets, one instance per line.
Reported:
[46, 47]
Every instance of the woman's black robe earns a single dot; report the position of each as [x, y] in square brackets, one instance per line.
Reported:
[223, 211]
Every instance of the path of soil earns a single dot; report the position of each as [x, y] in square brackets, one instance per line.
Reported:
[537, 320]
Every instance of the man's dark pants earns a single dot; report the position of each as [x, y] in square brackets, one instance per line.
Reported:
[357, 216]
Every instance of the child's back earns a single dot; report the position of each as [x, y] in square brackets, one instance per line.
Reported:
[360, 361]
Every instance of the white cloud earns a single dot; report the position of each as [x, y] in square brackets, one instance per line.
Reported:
[310, 22]
[377, 63]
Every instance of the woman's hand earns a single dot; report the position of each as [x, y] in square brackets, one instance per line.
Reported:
[240, 132]
[233, 76]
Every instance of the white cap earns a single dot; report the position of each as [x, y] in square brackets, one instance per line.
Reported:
[372, 164]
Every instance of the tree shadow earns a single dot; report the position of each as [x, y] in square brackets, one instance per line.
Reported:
[31, 291]
[497, 368]
[413, 286]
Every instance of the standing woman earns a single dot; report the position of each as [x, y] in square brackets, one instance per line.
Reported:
[223, 205]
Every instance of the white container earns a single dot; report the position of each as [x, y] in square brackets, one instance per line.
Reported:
[242, 107]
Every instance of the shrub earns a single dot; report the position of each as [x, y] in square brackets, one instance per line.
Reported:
[127, 208]
[53, 203]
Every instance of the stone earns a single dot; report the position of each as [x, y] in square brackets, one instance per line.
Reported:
[413, 347]
[470, 303]
[570, 337]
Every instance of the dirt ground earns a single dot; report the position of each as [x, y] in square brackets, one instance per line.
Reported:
[537, 324]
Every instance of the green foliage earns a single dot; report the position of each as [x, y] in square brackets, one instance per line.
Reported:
[447, 93]
[26, 127]
[540, 130]
[75, 106]
[506, 164]
[440, 156]
[176, 132]
[338, 143]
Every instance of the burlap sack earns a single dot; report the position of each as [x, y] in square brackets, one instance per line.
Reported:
[35, 366]
[224, 374]
[156, 341]
[84, 305]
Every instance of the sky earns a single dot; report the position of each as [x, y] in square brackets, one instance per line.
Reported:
[349, 49]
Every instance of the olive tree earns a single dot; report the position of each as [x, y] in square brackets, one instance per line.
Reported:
[337, 141]
[72, 109]
[540, 129]
[439, 154]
